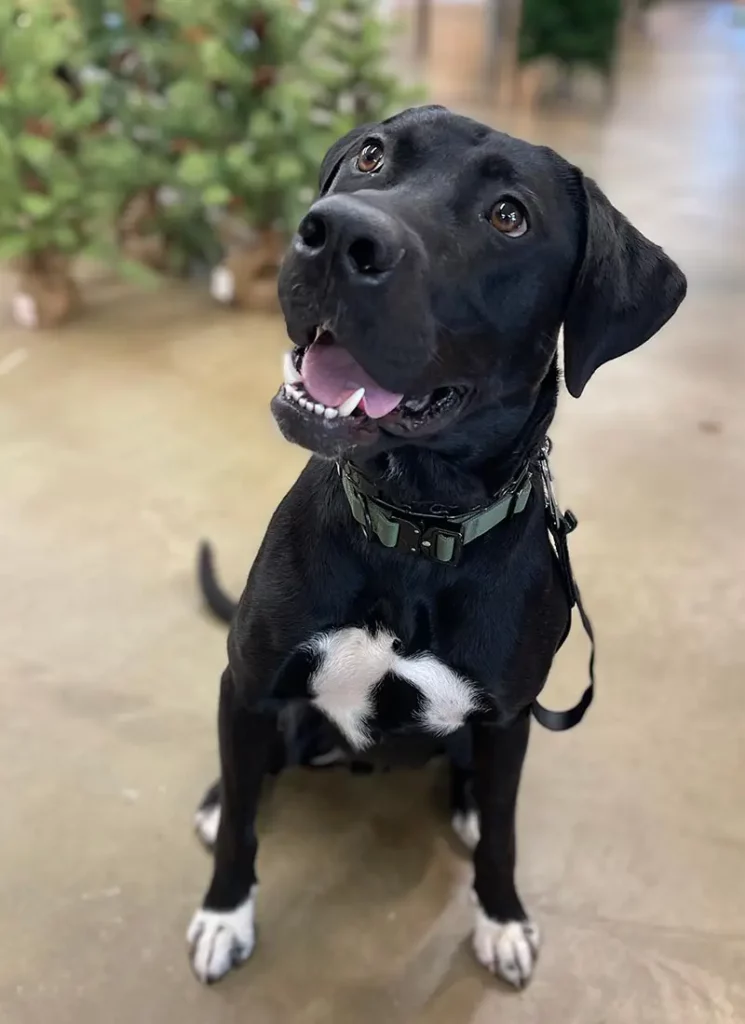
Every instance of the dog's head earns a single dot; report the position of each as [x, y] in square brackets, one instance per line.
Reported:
[429, 281]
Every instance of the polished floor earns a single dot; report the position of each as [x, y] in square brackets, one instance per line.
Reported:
[125, 438]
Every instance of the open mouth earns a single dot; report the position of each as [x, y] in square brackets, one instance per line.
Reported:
[326, 383]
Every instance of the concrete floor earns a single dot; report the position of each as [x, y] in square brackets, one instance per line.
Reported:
[126, 438]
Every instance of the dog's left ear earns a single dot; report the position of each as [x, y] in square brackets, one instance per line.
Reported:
[626, 288]
[333, 159]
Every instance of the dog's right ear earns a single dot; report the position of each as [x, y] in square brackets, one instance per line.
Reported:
[335, 156]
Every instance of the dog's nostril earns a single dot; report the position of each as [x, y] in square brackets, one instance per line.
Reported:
[364, 256]
[312, 231]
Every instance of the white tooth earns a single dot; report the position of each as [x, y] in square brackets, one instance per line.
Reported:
[318, 408]
[348, 407]
[305, 403]
[330, 414]
[292, 392]
[291, 374]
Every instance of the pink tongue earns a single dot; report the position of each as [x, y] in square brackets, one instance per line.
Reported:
[331, 375]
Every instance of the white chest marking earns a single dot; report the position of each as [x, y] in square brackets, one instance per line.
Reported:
[352, 664]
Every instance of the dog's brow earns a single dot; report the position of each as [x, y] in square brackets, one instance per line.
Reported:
[495, 166]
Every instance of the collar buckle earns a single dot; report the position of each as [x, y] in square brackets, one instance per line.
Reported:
[409, 535]
[429, 544]
[419, 539]
[436, 537]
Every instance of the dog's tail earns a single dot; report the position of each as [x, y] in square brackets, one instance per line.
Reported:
[219, 603]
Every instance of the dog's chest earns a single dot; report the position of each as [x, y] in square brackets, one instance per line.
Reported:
[366, 685]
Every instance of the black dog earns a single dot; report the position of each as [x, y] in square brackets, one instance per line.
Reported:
[407, 587]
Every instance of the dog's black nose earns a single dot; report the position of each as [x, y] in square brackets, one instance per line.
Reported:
[364, 240]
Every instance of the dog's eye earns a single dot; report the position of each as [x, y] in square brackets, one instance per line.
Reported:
[371, 157]
[509, 217]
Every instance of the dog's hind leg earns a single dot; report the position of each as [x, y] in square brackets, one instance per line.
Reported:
[304, 737]
[221, 933]
[504, 939]
[464, 815]
[207, 817]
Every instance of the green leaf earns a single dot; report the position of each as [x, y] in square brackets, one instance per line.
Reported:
[187, 95]
[261, 127]
[6, 146]
[66, 239]
[86, 112]
[236, 156]
[36, 149]
[37, 205]
[288, 170]
[216, 195]
[219, 63]
[12, 246]
[197, 169]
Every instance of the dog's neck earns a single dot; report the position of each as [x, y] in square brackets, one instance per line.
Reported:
[478, 463]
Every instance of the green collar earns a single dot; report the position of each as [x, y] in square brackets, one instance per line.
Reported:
[437, 537]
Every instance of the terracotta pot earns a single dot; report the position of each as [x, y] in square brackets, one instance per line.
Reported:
[46, 294]
[247, 277]
[149, 250]
[137, 231]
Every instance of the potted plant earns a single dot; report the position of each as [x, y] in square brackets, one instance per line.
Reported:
[240, 109]
[573, 33]
[254, 94]
[137, 52]
[61, 174]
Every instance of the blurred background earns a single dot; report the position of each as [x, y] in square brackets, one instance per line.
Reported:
[154, 156]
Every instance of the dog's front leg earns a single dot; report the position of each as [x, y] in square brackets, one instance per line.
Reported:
[504, 939]
[221, 934]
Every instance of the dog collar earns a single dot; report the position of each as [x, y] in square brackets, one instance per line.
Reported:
[440, 538]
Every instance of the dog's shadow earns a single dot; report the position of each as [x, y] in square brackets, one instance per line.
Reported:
[363, 894]
[379, 831]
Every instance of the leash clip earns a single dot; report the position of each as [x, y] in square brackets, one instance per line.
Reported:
[549, 492]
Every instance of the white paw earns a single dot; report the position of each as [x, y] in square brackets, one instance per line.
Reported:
[334, 756]
[219, 940]
[508, 949]
[467, 828]
[206, 824]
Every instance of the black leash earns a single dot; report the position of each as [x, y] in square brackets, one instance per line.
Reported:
[442, 538]
[560, 525]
